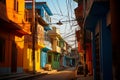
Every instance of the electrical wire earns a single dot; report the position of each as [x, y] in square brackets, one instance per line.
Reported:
[67, 5]
[59, 7]
[54, 5]
[69, 35]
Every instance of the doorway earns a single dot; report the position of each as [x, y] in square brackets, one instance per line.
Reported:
[14, 58]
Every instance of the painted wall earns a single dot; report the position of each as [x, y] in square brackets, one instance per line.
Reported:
[43, 59]
[28, 62]
[5, 66]
[114, 5]
[54, 60]
[89, 58]
[14, 41]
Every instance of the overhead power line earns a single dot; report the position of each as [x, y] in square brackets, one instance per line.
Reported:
[59, 7]
[69, 35]
[54, 5]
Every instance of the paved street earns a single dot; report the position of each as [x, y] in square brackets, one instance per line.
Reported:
[63, 74]
[67, 74]
[81, 77]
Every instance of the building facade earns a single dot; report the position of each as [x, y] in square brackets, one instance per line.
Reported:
[13, 28]
[40, 26]
[96, 20]
[54, 55]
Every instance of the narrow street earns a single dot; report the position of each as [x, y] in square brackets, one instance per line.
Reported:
[67, 74]
[59, 40]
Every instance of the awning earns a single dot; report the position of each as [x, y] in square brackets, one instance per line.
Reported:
[47, 9]
[45, 49]
[51, 51]
[46, 28]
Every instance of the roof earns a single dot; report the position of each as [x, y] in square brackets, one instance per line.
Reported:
[39, 5]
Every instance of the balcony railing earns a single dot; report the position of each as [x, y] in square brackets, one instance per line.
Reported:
[58, 49]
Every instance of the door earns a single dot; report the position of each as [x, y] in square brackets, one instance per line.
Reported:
[14, 57]
[43, 59]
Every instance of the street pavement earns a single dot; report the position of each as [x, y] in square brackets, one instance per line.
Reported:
[63, 74]
[81, 77]
[67, 74]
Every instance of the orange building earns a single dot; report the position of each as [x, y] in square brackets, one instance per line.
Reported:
[13, 27]
[83, 38]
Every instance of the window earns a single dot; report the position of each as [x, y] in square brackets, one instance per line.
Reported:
[3, 1]
[16, 5]
[49, 59]
[2, 50]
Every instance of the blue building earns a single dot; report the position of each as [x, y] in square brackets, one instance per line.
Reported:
[96, 19]
[96, 22]
[45, 13]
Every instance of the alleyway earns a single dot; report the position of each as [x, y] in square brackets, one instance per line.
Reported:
[67, 74]
[59, 39]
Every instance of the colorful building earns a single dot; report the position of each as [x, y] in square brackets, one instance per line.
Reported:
[97, 20]
[13, 27]
[63, 53]
[43, 12]
[54, 55]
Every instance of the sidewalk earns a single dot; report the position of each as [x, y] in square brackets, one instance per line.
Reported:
[81, 77]
[20, 76]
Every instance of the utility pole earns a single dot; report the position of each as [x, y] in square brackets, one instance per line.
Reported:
[75, 50]
[33, 35]
[84, 14]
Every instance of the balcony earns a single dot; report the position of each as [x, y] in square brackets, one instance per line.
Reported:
[13, 21]
[64, 47]
[5, 22]
[40, 36]
[54, 32]
[58, 49]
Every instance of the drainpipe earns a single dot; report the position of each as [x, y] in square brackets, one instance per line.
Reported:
[33, 35]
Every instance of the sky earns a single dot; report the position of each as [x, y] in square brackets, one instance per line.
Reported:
[63, 10]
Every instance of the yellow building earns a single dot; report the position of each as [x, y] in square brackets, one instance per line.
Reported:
[13, 27]
[39, 44]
